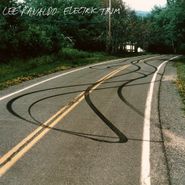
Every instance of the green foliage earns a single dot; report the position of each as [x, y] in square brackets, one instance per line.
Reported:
[25, 37]
[167, 28]
[71, 54]
[180, 64]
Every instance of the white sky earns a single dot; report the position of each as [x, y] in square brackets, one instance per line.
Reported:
[144, 5]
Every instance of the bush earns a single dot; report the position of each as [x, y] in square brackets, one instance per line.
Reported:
[70, 54]
[182, 49]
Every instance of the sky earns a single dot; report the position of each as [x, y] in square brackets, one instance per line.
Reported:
[144, 5]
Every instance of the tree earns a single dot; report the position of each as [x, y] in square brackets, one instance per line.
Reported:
[9, 27]
[166, 27]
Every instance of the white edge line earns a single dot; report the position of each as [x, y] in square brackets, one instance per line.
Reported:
[54, 77]
[145, 178]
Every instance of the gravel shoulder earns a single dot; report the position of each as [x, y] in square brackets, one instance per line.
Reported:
[173, 124]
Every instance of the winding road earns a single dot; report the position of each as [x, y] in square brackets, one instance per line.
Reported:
[96, 125]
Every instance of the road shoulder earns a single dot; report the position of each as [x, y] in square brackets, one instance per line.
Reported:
[173, 124]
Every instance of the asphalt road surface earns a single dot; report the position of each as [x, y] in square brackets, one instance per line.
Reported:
[98, 125]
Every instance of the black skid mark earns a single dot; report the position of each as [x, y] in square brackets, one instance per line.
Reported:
[120, 89]
[121, 136]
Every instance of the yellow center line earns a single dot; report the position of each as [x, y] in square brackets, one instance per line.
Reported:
[12, 156]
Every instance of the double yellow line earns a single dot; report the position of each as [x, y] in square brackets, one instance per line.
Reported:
[12, 156]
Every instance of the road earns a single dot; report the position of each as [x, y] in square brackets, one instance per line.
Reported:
[97, 125]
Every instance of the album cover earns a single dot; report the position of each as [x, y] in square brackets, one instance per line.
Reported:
[92, 92]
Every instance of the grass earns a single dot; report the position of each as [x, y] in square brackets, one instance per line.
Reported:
[180, 64]
[19, 70]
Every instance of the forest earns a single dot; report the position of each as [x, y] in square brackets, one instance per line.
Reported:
[26, 35]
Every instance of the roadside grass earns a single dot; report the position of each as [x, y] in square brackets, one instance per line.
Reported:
[180, 65]
[20, 70]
